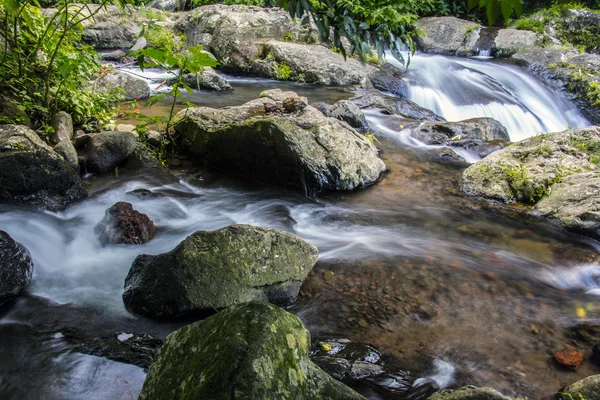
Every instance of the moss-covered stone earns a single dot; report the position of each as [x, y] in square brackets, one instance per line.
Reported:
[557, 173]
[303, 149]
[469, 393]
[32, 172]
[248, 351]
[213, 270]
[588, 389]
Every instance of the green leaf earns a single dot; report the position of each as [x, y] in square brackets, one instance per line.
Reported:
[506, 7]
[492, 10]
[473, 3]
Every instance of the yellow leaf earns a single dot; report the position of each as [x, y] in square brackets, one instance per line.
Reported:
[325, 346]
[581, 312]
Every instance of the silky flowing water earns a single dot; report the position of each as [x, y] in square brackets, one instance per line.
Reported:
[445, 286]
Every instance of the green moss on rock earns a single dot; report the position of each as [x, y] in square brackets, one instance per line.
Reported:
[248, 351]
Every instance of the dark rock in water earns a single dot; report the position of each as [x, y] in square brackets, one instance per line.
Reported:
[394, 106]
[388, 78]
[303, 150]
[422, 389]
[596, 354]
[107, 150]
[208, 79]
[358, 363]
[116, 55]
[81, 139]
[212, 270]
[127, 348]
[588, 389]
[16, 267]
[32, 172]
[249, 351]
[124, 225]
[346, 111]
[145, 194]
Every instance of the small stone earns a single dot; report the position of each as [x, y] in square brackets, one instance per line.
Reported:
[328, 276]
[124, 225]
[569, 358]
[125, 128]
[295, 103]
[362, 323]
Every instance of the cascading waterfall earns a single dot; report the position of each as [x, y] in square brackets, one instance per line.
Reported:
[459, 89]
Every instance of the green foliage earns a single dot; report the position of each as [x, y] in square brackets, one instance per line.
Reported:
[260, 3]
[493, 8]
[371, 137]
[193, 60]
[159, 37]
[366, 24]
[284, 72]
[44, 67]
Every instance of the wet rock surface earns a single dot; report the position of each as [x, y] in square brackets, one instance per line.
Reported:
[16, 267]
[212, 270]
[124, 225]
[555, 172]
[302, 149]
[263, 352]
[346, 111]
[107, 150]
[31, 172]
[208, 79]
[394, 106]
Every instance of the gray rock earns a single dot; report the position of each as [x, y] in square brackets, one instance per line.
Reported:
[81, 139]
[116, 55]
[140, 43]
[305, 149]
[134, 87]
[208, 79]
[67, 151]
[112, 28]
[509, 41]
[107, 150]
[32, 172]
[588, 388]
[261, 349]
[469, 393]
[388, 78]
[394, 106]
[63, 127]
[447, 35]
[16, 267]
[165, 5]
[346, 111]
[475, 129]
[213, 270]
[556, 172]
[155, 137]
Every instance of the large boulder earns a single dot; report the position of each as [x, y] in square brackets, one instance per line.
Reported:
[30, 171]
[268, 42]
[165, 5]
[133, 86]
[16, 267]
[107, 150]
[394, 106]
[302, 149]
[217, 269]
[469, 393]
[557, 173]
[588, 389]
[447, 35]
[577, 75]
[124, 225]
[389, 78]
[509, 41]
[249, 351]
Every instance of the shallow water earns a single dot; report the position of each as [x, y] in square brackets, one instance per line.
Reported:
[446, 286]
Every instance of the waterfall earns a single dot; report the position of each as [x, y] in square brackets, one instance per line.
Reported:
[459, 89]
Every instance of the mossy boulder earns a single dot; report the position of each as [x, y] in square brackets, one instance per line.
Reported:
[217, 269]
[556, 173]
[469, 393]
[31, 172]
[301, 149]
[588, 389]
[248, 351]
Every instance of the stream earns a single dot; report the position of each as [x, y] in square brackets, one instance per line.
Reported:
[445, 286]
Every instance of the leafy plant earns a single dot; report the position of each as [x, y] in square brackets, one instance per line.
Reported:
[44, 67]
[193, 60]
[493, 8]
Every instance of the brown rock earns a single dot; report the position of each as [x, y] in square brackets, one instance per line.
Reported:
[295, 103]
[569, 358]
[124, 225]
